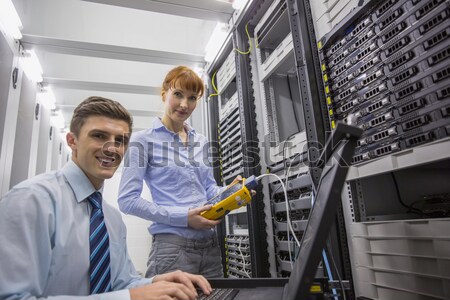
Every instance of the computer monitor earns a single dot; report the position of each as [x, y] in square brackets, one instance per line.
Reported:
[336, 155]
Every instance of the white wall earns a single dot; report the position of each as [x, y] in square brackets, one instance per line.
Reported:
[44, 141]
[56, 156]
[6, 62]
[24, 129]
[10, 99]
[138, 238]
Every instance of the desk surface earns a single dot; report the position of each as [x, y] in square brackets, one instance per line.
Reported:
[260, 293]
[247, 283]
[252, 288]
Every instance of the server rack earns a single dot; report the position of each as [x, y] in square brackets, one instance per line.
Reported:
[294, 127]
[306, 24]
[384, 67]
[245, 254]
[231, 142]
[288, 126]
[285, 137]
[389, 73]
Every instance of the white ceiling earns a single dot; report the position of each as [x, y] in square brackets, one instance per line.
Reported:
[119, 49]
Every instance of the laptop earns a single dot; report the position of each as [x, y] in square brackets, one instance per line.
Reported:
[336, 157]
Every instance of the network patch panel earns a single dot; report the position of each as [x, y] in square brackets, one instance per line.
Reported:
[295, 174]
[389, 71]
[298, 206]
[282, 243]
[284, 263]
[238, 256]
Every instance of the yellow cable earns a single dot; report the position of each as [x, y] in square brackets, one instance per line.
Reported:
[214, 86]
[240, 52]
[249, 40]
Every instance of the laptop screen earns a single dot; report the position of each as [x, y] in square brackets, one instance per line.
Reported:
[338, 154]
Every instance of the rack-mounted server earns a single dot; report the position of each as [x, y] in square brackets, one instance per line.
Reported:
[389, 71]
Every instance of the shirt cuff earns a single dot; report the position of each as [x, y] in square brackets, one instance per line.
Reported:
[118, 295]
[179, 216]
[125, 294]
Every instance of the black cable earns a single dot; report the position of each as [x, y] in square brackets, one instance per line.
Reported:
[399, 198]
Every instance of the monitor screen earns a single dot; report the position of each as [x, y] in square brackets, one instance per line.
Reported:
[337, 157]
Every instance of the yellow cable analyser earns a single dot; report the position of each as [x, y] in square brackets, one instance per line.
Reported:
[232, 197]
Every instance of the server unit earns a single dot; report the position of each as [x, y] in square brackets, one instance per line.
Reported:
[389, 73]
[385, 68]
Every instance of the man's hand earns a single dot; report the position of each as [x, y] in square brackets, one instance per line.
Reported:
[178, 285]
[187, 279]
[197, 221]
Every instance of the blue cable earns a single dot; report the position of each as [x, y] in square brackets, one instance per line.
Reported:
[330, 275]
[325, 259]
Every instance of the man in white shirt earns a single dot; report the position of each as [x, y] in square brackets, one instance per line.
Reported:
[57, 242]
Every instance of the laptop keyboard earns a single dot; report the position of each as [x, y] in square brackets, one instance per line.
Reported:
[219, 294]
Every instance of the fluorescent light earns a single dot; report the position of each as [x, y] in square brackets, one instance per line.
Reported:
[238, 4]
[9, 19]
[225, 1]
[32, 66]
[57, 119]
[47, 98]
[216, 40]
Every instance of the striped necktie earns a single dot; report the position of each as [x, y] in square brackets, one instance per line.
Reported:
[99, 269]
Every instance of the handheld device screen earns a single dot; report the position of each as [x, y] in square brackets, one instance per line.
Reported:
[228, 191]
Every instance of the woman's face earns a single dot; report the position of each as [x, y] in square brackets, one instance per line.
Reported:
[179, 104]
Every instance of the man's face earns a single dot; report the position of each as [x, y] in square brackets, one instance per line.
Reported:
[99, 147]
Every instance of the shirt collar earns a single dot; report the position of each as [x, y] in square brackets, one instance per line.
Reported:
[158, 125]
[78, 181]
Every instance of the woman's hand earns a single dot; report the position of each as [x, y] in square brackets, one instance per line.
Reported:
[197, 221]
[239, 179]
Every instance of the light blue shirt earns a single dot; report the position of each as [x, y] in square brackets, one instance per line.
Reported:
[44, 240]
[179, 177]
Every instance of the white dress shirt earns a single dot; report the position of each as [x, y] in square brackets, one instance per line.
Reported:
[44, 240]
